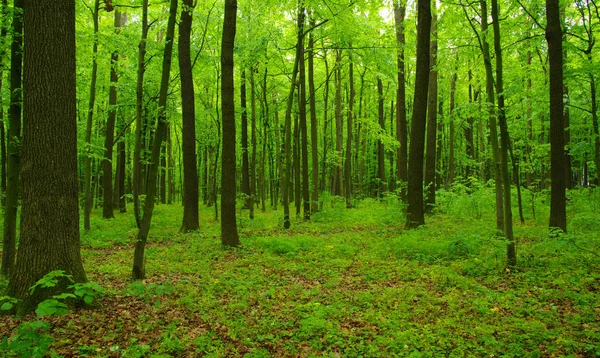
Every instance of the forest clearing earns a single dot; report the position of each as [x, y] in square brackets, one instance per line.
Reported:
[351, 283]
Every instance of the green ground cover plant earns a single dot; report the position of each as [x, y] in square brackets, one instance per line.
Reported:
[350, 283]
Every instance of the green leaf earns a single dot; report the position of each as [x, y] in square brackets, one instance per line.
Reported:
[6, 306]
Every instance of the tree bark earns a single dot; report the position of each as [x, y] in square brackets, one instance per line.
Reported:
[252, 202]
[431, 157]
[14, 143]
[415, 215]
[511, 251]
[139, 269]
[229, 233]
[349, 125]
[558, 215]
[338, 174]
[50, 215]
[139, 107]
[314, 198]
[245, 160]
[107, 206]
[381, 185]
[401, 124]
[304, 134]
[87, 189]
[188, 131]
[287, 171]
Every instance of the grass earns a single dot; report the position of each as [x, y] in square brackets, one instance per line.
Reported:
[351, 283]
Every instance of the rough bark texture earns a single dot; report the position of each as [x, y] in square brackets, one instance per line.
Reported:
[558, 215]
[188, 137]
[139, 269]
[430, 153]
[14, 144]
[229, 233]
[50, 215]
[401, 125]
[415, 215]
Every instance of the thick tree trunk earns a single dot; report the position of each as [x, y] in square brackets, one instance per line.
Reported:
[401, 124]
[87, 188]
[511, 251]
[139, 270]
[50, 215]
[415, 215]
[14, 143]
[188, 131]
[229, 233]
[431, 157]
[314, 196]
[558, 216]
[3, 32]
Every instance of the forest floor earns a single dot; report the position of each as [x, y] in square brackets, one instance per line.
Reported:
[350, 283]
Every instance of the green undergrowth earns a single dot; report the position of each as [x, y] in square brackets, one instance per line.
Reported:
[349, 283]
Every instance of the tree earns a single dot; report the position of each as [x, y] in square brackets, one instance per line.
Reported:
[431, 158]
[558, 214]
[107, 206]
[401, 125]
[87, 186]
[229, 233]
[14, 142]
[139, 269]
[303, 132]
[314, 196]
[415, 216]
[381, 186]
[188, 135]
[50, 213]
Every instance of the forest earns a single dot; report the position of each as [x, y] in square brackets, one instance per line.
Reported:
[299, 178]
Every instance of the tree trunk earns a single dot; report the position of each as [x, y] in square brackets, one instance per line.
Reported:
[325, 122]
[87, 189]
[337, 178]
[14, 143]
[401, 124]
[188, 129]
[107, 206]
[489, 80]
[252, 202]
[431, 157]
[348, 165]
[287, 171]
[229, 233]
[511, 251]
[314, 197]
[381, 185]
[304, 133]
[558, 215]
[50, 215]
[245, 160]
[3, 32]
[415, 215]
[139, 107]
[468, 131]
[139, 270]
